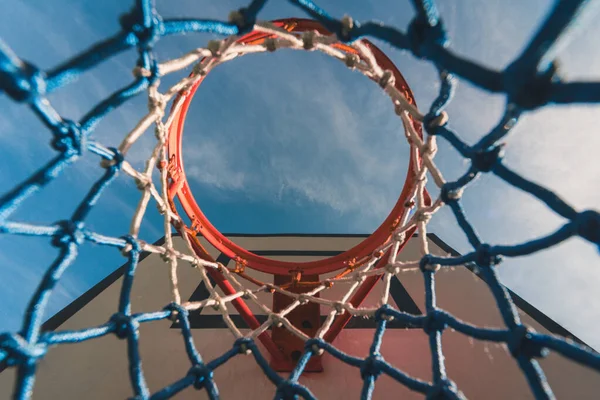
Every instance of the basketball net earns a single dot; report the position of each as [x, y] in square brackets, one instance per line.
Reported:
[376, 260]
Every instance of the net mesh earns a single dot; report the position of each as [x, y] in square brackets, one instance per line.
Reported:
[529, 83]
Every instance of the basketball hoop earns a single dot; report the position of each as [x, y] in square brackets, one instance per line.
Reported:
[179, 187]
[302, 277]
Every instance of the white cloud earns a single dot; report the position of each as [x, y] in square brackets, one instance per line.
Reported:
[328, 136]
[211, 167]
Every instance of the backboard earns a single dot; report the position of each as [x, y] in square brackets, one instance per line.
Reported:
[97, 369]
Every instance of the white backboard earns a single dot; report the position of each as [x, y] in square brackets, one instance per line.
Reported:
[98, 369]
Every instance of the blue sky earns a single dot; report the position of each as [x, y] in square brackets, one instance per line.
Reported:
[294, 142]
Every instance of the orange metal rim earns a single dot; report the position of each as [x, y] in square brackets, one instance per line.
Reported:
[179, 187]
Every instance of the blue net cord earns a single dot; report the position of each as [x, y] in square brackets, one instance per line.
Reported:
[529, 82]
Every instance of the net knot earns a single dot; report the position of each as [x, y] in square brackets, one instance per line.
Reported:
[142, 34]
[430, 146]
[24, 82]
[484, 256]
[303, 299]
[520, 344]
[217, 303]
[124, 324]
[486, 160]
[378, 254]
[448, 194]
[434, 322]
[347, 26]
[422, 35]
[308, 40]
[160, 131]
[529, 90]
[176, 311]
[392, 269]
[113, 160]
[338, 306]
[288, 390]
[588, 226]
[426, 264]
[358, 277]
[444, 389]
[243, 19]
[270, 44]
[351, 60]
[131, 245]
[201, 374]
[169, 255]
[315, 346]
[69, 139]
[422, 216]
[142, 183]
[383, 313]
[387, 78]
[400, 236]
[141, 72]
[247, 294]
[432, 121]
[276, 320]
[371, 366]
[162, 208]
[214, 46]
[157, 103]
[245, 345]
[68, 232]
[14, 349]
